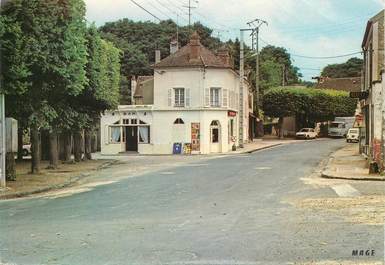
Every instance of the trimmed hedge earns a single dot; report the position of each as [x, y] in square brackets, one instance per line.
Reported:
[315, 104]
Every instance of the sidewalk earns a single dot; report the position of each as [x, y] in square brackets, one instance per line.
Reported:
[347, 163]
[260, 144]
[65, 176]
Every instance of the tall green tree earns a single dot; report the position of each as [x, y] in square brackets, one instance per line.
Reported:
[54, 52]
[351, 68]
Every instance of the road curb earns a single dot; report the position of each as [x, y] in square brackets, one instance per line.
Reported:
[331, 176]
[327, 174]
[261, 148]
[72, 181]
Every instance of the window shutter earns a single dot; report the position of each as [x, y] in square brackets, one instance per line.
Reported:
[107, 134]
[187, 97]
[225, 97]
[237, 103]
[169, 97]
[207, 97]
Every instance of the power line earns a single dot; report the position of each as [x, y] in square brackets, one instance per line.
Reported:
[160, 11]
[317, 57]
[325, 57]
[145, 10]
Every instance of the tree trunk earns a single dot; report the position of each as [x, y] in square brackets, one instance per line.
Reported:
[35, 150]
[67, 147]
[78, 146]
[53, 151]
[280, 125]
[87, 144]
[20, 133]
[94, 142]
[44, 145]
[10, 171]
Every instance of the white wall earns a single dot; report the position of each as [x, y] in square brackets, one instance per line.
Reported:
[166, 134]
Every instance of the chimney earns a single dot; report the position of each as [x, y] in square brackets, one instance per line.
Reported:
[174, 46]
[157, 56]
[223, 54]
[195, 47]
[133, 89]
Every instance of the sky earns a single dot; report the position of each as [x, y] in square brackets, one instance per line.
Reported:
[310, 28]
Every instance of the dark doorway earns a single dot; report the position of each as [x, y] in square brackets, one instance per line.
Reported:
[132, 138]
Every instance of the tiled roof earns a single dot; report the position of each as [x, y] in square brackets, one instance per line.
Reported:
[182, 58]
[345, 84]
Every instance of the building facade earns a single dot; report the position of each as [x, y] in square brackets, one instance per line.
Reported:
[195, 107]
[373, 91]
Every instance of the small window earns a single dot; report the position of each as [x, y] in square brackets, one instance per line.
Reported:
[179, 121]
[214, 123]
[126, 121]
[179, 97]
[134, 121]
[144, 134]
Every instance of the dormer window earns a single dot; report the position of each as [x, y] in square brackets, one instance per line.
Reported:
[179, 100]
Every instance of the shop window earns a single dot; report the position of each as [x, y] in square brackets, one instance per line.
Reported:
[144, 134]
[179, 121]
[115, 135]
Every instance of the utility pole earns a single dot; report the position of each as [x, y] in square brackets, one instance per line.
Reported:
[241, 85]
[256, 24]
[3, 150]
[189, 7]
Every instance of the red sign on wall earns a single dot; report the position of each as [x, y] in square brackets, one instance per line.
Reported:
[231, 113]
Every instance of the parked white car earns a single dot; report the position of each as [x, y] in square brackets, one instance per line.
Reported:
[353, 135]
[26, 150]
[306, 133]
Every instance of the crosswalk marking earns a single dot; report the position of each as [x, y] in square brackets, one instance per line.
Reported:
[346, 190]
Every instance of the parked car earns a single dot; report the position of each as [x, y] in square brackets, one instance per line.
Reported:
[353, 135]
[306, 133]
[26, 149]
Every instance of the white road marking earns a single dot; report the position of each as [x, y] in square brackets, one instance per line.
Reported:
[263, 168]
[195, 165]
[345, 190]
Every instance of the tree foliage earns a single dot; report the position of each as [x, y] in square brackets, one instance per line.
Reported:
[314, 104]
[351, 68]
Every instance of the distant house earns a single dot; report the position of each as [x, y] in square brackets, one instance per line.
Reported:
[142, 90]
[349, 84]
[372, 100]
[190, 105]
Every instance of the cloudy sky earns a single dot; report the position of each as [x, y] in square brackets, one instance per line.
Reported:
[314, 28]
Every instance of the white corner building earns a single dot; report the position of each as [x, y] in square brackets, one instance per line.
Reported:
[190, 106]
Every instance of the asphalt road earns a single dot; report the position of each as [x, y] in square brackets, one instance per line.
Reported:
[226, 210]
